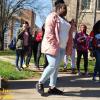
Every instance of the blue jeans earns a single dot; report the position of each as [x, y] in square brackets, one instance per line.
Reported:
[51, 70]
[19, 56]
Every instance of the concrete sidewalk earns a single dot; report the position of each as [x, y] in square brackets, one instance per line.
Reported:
[74, 87]
[11, 59]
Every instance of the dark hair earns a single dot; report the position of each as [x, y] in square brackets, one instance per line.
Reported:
[96, 27]
[59, 2]
[43, 28]
[58, 6]
[26, 22]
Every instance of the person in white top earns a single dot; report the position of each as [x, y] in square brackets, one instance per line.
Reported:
[72, 57]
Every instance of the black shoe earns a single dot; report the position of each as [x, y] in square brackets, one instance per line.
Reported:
[73, 71]
[40, 88]
[18, 69]
[55, 91]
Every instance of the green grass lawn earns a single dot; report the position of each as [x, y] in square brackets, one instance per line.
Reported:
[91, 64]
[8, 71]
[7, 52]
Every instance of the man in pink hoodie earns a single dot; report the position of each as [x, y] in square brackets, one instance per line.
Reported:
[58, 36]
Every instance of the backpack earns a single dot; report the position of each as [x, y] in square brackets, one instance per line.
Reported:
[97, 40]
[12, 44]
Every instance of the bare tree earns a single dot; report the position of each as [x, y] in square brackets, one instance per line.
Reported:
[9, 8]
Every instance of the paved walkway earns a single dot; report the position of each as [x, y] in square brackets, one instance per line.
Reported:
[11, 59]
[74, 87]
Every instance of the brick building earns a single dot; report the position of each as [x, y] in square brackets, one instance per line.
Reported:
[83, 11]
[23, 15]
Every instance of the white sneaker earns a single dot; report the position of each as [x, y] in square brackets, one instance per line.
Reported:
[24, 66]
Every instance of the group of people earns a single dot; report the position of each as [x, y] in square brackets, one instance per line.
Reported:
[59, 41]
[80, 44]
[28, 43]
[84, 43]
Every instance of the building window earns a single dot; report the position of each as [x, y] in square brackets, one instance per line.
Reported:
[98, 4]
[85, 4]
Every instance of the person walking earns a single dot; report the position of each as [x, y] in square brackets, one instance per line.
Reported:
[57, 36]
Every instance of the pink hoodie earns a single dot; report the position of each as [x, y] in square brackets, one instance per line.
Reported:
[50, 43]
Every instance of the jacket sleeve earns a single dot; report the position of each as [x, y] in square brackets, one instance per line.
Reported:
[69, 44]
[51, 28]
[20, 34]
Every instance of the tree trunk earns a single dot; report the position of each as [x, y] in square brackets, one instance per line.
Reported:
[2, 42]
[2, 39]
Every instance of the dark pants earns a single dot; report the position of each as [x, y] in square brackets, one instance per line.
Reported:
[97, 63]
[27, 51]
[85, 56]
[36, 53]
[28, 55]
[19, 56]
